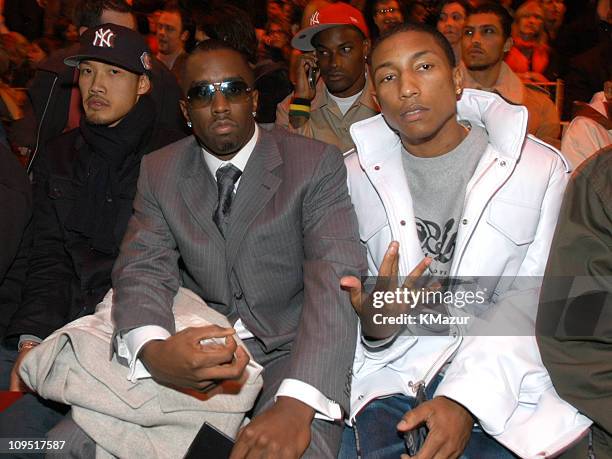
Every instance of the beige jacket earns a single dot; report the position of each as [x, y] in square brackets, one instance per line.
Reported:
[543, 121]
[326, 122]
[125, 419]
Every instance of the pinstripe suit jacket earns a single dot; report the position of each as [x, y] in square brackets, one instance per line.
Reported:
[292, 235]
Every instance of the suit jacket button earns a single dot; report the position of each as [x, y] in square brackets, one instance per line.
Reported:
[238, 295]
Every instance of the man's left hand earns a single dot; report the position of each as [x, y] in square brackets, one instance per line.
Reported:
[282, 431]
[449, 424]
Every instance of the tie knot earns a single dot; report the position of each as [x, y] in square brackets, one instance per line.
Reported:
[228, 174]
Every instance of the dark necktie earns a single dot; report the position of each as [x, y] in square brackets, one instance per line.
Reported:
[227, 176]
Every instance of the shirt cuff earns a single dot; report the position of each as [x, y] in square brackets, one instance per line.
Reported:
[32, 338]
[241, 331]
[130, 344]
[326, 409]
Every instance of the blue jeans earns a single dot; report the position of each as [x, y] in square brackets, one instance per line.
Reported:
[374, 430]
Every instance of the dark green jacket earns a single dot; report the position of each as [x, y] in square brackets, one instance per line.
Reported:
[575, 316]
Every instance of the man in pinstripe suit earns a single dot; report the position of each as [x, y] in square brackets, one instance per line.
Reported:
[260, 225]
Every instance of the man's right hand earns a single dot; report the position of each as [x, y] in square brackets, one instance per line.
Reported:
[303, 90]
[387, 282]
[16, 384]
[183, 361]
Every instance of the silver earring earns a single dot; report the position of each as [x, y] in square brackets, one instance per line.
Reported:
[254, 114]
[189, 124]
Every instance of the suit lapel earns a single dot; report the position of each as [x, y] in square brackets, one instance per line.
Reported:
[257, 186]
[199, 192]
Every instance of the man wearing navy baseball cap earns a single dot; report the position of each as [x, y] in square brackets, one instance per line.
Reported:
[334, 46]
[84, 184]
[117, 55]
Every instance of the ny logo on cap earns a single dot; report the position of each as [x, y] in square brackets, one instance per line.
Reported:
[104, 38]
[314, 19]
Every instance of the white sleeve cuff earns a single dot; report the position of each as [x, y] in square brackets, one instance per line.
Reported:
[326, 409]
[129, 345]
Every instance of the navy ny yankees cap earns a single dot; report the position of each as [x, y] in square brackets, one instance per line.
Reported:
[115, 45]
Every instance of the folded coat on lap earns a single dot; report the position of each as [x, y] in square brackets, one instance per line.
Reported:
[126, 419]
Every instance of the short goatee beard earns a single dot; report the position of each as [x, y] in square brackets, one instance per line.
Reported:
[229, 147]
[95, 122]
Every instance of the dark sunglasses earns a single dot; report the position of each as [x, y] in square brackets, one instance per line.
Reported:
[234, 91]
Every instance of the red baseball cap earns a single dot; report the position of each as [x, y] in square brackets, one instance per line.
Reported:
[336, 14]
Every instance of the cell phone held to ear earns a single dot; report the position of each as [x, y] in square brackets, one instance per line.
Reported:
[312, 76]
[210, 443]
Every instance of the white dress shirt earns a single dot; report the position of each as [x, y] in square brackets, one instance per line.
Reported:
[130, 344]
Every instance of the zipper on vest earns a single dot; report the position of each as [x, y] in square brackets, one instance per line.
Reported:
[444, 356]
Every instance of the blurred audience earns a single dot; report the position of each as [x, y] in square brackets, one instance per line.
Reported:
[147, 13]
[554, 13]
[275, 45]
[17, 48]
[274, 59]
[451, 17]
[152, 20]
[39, 50]
[174, 32]
[486, 37]
[591, 128]
[588, 27]
[382, 15]
[25, 17]
[508, 4]
[588, 70]
[65, 32]
[272, 79]
[278, 11]
[529, 56]
[416, 11]
[229, 24]
[12, 98]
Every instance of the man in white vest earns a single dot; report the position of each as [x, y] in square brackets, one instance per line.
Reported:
[447, 180]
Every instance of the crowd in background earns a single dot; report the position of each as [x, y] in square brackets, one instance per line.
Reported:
[553, 40]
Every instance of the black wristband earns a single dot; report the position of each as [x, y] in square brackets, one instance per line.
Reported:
[300, 101]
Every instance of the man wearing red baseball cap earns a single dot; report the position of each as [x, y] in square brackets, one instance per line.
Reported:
[335, 47]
